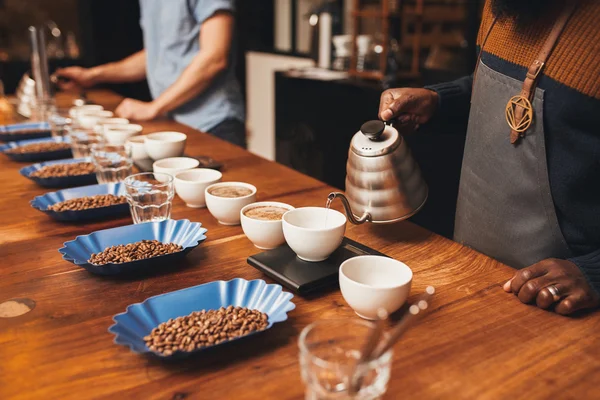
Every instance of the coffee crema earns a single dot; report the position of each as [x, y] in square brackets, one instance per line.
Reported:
[266, 213]
[230, 191]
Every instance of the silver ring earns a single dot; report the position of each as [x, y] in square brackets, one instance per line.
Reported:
[554, 292]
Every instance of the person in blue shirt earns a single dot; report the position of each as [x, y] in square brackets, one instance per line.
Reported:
[188, 60]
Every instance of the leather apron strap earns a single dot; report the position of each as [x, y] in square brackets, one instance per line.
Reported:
[519, 112]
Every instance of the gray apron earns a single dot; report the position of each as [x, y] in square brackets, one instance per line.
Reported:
[505, 208]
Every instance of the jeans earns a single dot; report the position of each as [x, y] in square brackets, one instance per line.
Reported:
[231, 130]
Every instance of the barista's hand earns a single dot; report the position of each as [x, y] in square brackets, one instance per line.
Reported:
[76, 77]
[574, 292]
[137, 110]
[408, 105]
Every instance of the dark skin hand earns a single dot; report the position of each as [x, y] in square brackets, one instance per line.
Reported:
[408, 105]
[530, 286]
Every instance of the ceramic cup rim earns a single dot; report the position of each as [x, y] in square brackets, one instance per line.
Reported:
[123, 128]
[244, 184]
[216, 176]
[165, 137]
[300, 209]
[194, 161]
[400, 264]
[266, 204]
[136, 140]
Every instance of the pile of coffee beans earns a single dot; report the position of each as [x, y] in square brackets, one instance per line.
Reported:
[39, 148]
[62, 170]
[85, 203]
[204, 329]
[133, 251]
[28, 131]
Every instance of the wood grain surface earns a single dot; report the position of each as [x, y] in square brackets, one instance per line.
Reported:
[476, 342]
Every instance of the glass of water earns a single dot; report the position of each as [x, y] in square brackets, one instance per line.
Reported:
[82, 142]
[60, 126]
[329, 351]
[113, 163]
[150, 196]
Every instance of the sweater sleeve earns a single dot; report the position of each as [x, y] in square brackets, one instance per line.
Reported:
[589, 264]
[454, 105]
[454, 97]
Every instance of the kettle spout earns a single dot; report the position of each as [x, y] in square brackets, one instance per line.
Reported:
[366, 217]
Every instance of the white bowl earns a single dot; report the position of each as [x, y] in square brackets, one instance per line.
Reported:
[369, 283]
[264, 234]
[227, 209]
[138, 148]
[173, 165]
[89, 119]
[314, 232]
[109, 121]
[118, 134]
[161, 145]
[73, 111]
[191, 184]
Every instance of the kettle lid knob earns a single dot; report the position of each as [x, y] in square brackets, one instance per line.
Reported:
[373, 129]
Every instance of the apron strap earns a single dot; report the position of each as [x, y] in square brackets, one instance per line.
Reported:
[485, 38]
[537, 66]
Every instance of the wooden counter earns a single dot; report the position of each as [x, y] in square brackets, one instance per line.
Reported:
[477, 342]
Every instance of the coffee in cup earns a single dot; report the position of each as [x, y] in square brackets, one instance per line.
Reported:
[230, 191]
[266, 213]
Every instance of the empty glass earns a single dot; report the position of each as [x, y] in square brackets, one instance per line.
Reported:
[113, 163]
[150, 196]
[329, 350]
[82, 142]
[59, 126]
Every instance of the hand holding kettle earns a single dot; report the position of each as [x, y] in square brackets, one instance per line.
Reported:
[408, 105]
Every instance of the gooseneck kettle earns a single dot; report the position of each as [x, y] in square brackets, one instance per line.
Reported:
[383, 181]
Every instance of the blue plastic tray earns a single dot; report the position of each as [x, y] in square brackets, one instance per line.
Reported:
[182, 232]
[66, 181]
[118, 189]
[33, 157]
[139, 319]
[8, 133]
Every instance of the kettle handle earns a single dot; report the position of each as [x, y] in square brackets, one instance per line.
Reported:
[366, 217]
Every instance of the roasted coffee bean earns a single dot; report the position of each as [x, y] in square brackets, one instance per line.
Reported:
[62, 170]
[39, 148]
[204, 328]
[134, 251]
[29, 131]
[85, 203]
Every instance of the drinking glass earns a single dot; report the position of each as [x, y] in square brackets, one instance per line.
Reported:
[82, 142]
[60, 126]
[149, 198]
[113, 163]
[329, 350]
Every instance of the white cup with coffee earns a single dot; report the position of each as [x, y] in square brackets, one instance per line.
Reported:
[261, 223]
[191, 185]
[314, 232]
[225, 200]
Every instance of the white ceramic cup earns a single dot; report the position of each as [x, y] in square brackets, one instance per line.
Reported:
[369, 283]
[265, 234]
[88, 119]
[161, 145]
[227, 209]
[109, 121]
[191, 184]
[73, 111]
[118, 134]
[314, 232]
[138, 148]
[173, 165]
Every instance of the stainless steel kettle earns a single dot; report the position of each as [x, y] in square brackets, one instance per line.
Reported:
[383, 181]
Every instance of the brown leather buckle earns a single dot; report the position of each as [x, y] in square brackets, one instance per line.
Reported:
[535, 69]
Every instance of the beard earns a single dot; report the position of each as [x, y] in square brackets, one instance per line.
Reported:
[521, 11]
